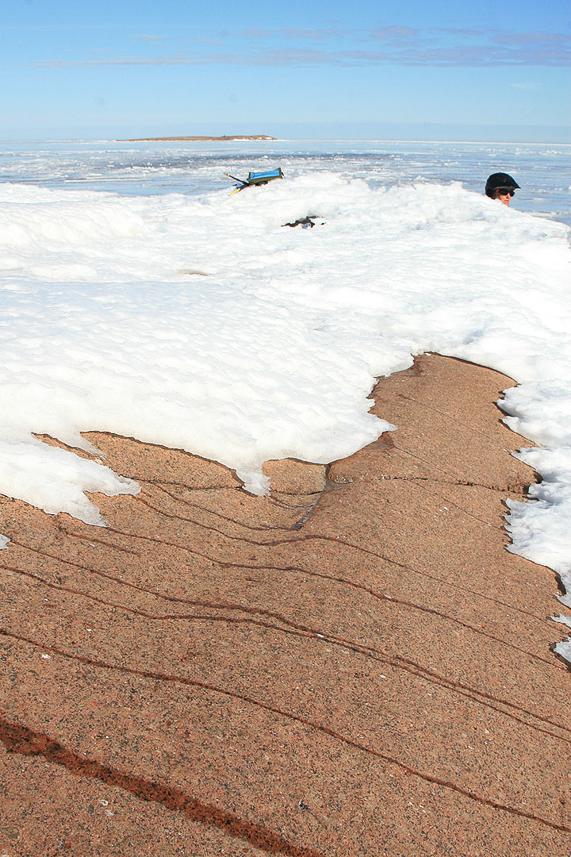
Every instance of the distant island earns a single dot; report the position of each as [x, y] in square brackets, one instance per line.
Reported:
[177, 139]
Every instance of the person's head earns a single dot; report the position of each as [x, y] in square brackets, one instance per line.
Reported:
[501, 186]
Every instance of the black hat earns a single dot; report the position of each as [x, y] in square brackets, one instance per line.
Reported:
[497, 180]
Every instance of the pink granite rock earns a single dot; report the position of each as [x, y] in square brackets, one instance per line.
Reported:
[353, 666]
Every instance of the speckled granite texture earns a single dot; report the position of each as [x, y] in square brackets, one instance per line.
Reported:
[352, 667]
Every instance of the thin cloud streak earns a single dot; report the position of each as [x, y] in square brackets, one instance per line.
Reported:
[400, 46]
[532, 86]
[396, 34]
[560, 39]
[148, 38]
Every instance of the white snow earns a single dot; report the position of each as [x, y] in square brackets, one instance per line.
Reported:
[270, 349]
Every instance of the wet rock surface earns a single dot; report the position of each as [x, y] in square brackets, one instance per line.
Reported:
[354, 665]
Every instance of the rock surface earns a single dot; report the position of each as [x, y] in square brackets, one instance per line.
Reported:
[352, 667]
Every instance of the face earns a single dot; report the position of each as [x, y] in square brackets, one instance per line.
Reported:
[504, 195]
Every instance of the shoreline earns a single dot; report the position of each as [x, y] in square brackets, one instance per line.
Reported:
[354, 665]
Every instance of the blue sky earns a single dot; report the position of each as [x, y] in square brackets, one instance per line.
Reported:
[441, 70]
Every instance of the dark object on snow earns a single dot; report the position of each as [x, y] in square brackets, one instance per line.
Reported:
[304, 222]
[499, 181]
[255, 179]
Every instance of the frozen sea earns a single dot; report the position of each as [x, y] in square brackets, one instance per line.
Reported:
[139, 296]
